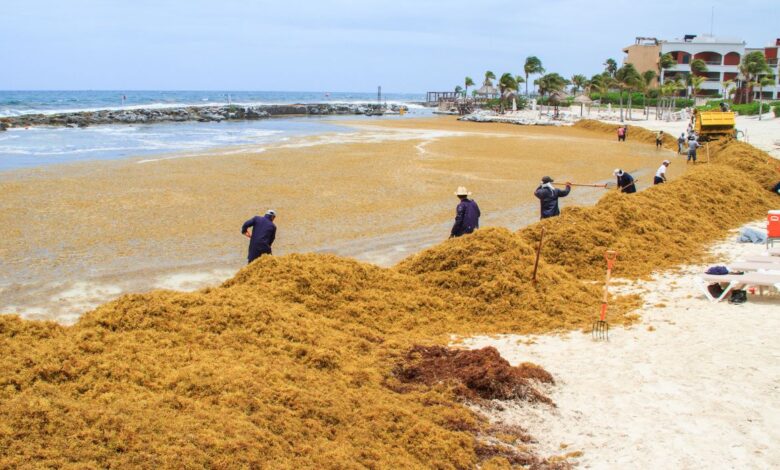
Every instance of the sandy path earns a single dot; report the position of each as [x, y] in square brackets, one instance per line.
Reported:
[75, 236]
[695, 385]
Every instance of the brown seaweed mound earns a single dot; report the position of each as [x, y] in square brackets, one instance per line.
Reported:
[480, 373]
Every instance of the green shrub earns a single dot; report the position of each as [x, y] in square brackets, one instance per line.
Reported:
[748, 109]
[638, 100]
[777, 110]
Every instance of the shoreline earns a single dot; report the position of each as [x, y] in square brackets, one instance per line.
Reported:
[199, 113]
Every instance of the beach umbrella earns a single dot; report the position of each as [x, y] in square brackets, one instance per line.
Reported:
[583, 100]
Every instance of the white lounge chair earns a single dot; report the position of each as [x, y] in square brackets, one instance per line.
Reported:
[754, 266]
[736, 281]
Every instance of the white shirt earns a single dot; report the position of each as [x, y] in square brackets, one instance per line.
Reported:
[661, 173]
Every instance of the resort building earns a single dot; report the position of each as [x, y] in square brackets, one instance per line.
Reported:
[644, 54]
[721, 54]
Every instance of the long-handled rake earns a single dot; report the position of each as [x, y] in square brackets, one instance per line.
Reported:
[600, 330]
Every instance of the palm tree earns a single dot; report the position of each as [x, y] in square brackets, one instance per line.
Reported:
[505, 83]
[533, 66]
[458, 90]
[727, 91]
[628, 79]
[610, 66]
[579, 82]
[665, 62]
[602, 82]
[698, 69]
[753, 65]
[647, 81]
[468, 82]
[489, 77]
[696, 82]
[766, 80]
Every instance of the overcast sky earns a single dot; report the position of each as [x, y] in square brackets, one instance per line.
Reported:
[337, 45]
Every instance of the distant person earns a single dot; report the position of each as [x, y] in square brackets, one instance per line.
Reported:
[466, 214]
[724, 107]
[660, 175]
[548, 196]
[625, 181]
[680, 143]
[621, 134]
[692, 146]
[262, 235]
[659, 139]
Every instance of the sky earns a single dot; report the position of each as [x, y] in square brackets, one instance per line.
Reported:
[408, 46]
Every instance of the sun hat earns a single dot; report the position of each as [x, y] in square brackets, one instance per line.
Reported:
[462, 191]
[547, 179]
[666, 162]
[270, 212]
[617, 172]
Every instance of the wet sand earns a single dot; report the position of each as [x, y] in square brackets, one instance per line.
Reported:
[74, 236]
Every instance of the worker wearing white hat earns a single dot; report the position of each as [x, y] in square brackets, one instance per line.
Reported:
[466, 214]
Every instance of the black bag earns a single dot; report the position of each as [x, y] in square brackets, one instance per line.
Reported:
[738, 296]
[715, 290]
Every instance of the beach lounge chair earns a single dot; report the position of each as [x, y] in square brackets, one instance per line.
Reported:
[763, 259]
[737, 281]
[755, 266]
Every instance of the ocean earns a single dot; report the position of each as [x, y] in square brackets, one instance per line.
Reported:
[40, 146]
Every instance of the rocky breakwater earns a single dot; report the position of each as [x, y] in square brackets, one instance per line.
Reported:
[190, 113]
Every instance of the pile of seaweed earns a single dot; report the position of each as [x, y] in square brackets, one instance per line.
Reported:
[635, 133]
[288, 363]
[665, 225]
[480, 373]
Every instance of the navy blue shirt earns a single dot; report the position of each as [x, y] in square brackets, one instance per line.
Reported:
[263, 234]
[625, 181]
[549, 200]
[466, 218]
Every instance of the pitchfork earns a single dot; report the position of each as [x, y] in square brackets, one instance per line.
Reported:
[600, 330]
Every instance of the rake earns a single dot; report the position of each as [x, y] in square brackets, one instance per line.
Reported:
[600, 330]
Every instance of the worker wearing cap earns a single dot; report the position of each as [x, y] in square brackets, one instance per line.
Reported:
[624, 181]
[466, 214]
[548, 196]
[660, 175]
[262, 235]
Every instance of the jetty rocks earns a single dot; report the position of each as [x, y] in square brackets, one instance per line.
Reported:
[192, 113]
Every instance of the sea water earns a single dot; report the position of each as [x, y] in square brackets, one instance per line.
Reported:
[38, 146]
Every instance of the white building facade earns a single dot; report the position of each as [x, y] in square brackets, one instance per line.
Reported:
[722, 56]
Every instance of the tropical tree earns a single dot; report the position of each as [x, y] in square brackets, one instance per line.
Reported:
[519, 79]
[489, 77]
[458, 90]
[550, 82]
[610, 66]
[753, 64]
[648, 76]
[601, 82]
[766, 80]
[727, 91]
[696, 82]
[699, 67]
[628, 79]
[665, 62]
[579, 82]
[505, 83]
[468, 82]
[532, 66]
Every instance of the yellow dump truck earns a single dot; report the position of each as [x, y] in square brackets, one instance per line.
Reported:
[710, 125]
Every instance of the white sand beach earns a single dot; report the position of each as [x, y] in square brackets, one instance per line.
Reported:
[693, 385]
